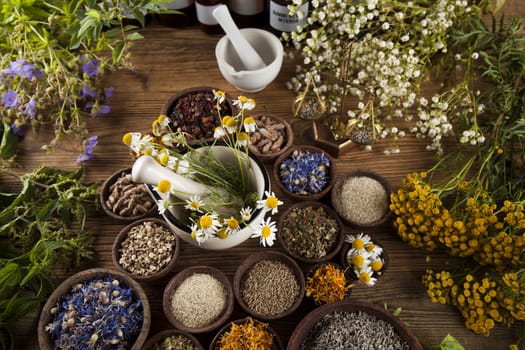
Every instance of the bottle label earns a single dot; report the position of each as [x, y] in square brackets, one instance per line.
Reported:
[280, 18]
[177, 4]
[247, 7]
[205, 14]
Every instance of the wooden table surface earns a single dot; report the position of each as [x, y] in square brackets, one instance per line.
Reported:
[169, 60]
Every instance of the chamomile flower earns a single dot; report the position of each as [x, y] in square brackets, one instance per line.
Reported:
[243, 139]
[220, 96]
[365, 276]
[249, 124]
[271, 203]
[194, 203]
[374, 250]
[183, 167]
[160, 125]
[229, 123]
[162, 206]
[209, 223]
[219, 132]
[377, 264]
[223, 233]
[232, 225]
[266, 232]
[246, 214]
[164, 186]
[358, 258]
[245, 103]
[163, 158]
[358, 242]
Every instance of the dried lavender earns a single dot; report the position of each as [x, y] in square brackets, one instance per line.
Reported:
[305, 172]
[101, 313]
[353, 331]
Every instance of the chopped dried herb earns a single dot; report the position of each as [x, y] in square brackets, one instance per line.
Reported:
[327, 283]
[249, 335]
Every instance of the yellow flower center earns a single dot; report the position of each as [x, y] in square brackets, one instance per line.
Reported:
[163, 159]
[164, 186]
[222, 234]
[242, 136]
[127, 138]
[272, 202]
[233, 223]
[364, 277]
[195, 205]
[358, 244]
[249, 120]
[266, 231]
[193, 234]
[370, 247]
[205, 222]
[377, 265]
[358, 260]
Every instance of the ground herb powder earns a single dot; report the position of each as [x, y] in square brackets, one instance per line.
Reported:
[353, 331]
[362, 200]
[269, 288]
[199, 300]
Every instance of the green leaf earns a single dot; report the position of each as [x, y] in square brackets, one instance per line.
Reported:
[118, 52]
[134, 36]
[450, 343]
[9, 143]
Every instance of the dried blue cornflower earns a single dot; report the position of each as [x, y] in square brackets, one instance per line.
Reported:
[305, 172]
[101, 313]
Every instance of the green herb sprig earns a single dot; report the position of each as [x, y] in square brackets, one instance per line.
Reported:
[41, 229]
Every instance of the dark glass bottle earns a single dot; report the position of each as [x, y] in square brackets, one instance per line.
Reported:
[185, 18]
[248, 13]
[205, 17]
[280, 19]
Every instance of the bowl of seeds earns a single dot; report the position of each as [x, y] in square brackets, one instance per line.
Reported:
[247, 333]
[364, 325]
[269, 285]
[172, 339]
[362, 198]
[194, 111]
[198, 299]
[272, 137]
[304, 173]
[328, 282]
[94, 308]
[310, 232]
[147, 249]
[124, 200]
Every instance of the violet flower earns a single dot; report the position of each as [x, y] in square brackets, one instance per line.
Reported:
[91, 67]
[10, 98]
[89, 147]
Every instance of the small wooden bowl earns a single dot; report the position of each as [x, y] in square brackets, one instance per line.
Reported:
[246, 266]
[288, 137]
[337, 198]
[277, 343]
[339, 240]
[105, 193]
[347, 246]
[169, 106]
[64, 288]
[160, 336]
[123, 235]
[348, 275]
[306, 324]
[304, 197]
[177, 280]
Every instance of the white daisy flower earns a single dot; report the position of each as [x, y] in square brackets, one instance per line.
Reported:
[246, 214]
[194, 203]
[271, 203]
[266, 232]
[358, 242]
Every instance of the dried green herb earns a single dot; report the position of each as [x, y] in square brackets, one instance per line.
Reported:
[41, 228]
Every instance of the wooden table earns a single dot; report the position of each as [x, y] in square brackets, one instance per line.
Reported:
[169, 60]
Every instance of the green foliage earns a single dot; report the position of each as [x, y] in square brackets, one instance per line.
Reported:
[41, 228]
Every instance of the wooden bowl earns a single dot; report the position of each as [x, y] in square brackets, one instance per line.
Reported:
[306, 324]
[381, 205]
[277, 343]
[308, 195]
[346, 247]
[349, 277]
[64, 289]
[116, 252]
[284, 136]
[246, 267]
[160, 336]
[177, 280]
[197, 126]
[288, 245]
[105, 193]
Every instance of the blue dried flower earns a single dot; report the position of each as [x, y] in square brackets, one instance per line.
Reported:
[89, 148]
[91, 67]
[305, 173]
[10, 98]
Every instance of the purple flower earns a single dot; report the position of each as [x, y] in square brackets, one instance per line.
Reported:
[10, 98]
[23, 68]
[103, 109]
[109, 92]
[17, 130]
[31, 108]
[87, 92]
[91, 67]
[89, 147]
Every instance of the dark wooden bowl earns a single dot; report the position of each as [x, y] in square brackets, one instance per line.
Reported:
[160, 336]
[65, 287]
[105, 192]
[349, 278]
[306, 324]
[168, 107]
[346, 247]
[176, 281]
[336, 198]
[245, 267]
[287, 143]
[290, 251]
[304, 197]
[277, 343]
[123, 234]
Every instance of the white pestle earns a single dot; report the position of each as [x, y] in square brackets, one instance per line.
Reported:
[147, 170]
[247, 54]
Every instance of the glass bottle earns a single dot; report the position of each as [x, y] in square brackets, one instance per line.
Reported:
[185, 18]
[280, 19]
[248, 13]
[204, 9]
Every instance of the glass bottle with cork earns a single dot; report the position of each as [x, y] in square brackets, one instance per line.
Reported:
[185, 17]
[280, 18]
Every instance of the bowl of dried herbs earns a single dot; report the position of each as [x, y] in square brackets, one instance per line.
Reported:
[364, 325]
[310, 232]
[269, 285]
[173, 339]
[247, 333]
[94, 308]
